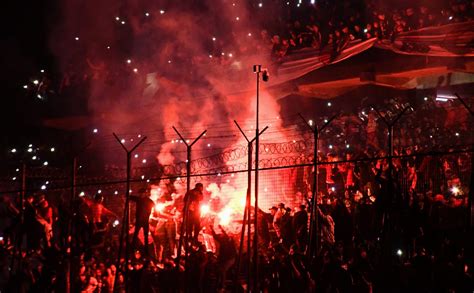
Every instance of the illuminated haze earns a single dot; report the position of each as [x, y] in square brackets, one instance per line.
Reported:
[170, 78]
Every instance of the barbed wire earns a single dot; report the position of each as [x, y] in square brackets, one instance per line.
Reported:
[266, 165]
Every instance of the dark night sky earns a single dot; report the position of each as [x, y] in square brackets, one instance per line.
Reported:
[24, 44]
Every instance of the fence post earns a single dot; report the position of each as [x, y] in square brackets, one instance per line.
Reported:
[246, 219]
[126, 212]
[183, 233]
[313, 245]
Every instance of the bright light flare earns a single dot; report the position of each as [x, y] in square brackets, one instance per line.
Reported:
[225, 216]
[455, 190]
[116, 223]
[205, 209]
[159, 207]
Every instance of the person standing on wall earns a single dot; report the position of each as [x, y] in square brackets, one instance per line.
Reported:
[193, 199]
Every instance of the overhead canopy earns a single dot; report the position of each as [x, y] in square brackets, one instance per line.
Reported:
[428, 58]
[424, 59]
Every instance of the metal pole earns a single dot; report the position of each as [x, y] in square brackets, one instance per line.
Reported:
[18, 241]
[313, 248]
[257, 149]
[22, 202]
[69, 275]
[246, 218]
[247, 211]
[470, 204]
[387, 210]
[126, 212]
[314, 239]
[188, 188]
[127, 220]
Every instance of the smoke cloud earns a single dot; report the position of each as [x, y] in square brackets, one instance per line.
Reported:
[155, 65]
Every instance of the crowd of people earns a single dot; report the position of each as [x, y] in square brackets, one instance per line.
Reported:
[322, 25]
[334, 24]
[376, 230]
[381, 226]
